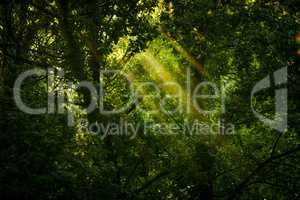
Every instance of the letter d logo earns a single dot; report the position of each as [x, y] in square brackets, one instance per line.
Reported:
[280, 120]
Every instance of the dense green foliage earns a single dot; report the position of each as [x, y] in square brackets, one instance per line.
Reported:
[230, 43]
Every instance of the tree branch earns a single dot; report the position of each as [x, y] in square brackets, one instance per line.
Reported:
[238, 190]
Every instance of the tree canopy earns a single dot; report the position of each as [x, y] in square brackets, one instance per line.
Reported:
[149, 99]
